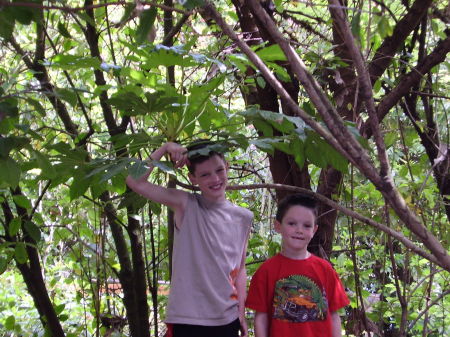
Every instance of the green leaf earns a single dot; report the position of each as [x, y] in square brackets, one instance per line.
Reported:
[390, 138]
[265, 144]
[14, 226]
[10, 323]
[138, 169]
[191, 4]
[356, 25]
[314, 153]
[67, 95]
[22, 201]
[20, 253]
[79, 185]
[9, 172]
[37, 106]
[24, 15]
[163, 165]
[113, 170]
[85, 17]
[3, 264]
[129, 8]
[260, 81]
[74, 62]
[264, 127]
[47, 169]
[7, 23]
[9, 143]
[62, 29]
[59, 308]
[271, 53]
[147, 19]
[134, 200]
[9, 107]
[168, 56]
[33, 231]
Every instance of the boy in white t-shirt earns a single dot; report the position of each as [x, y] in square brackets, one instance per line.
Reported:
[208, 285]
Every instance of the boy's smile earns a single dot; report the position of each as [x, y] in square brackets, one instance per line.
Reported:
[211, 176]
[297, 228]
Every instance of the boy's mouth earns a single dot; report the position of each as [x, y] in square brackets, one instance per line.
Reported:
[216, 186]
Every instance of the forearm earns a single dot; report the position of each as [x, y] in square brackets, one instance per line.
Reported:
[156, 155]
[241, 288]
[175, 199]
[336, 327]
[261, 324]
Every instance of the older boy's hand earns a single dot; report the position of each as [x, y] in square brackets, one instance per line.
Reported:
[244, 327]
[177, 153]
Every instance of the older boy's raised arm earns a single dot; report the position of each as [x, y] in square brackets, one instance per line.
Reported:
[173, 198]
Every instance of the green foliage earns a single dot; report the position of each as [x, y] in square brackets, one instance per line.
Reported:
[74, 125]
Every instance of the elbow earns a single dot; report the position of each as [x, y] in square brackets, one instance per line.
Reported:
[131, 182]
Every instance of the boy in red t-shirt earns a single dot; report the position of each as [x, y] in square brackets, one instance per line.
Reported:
[296, 293]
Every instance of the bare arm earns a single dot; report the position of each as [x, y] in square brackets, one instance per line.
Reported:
[336, 328]
[172, 198]
[241, 288]
[261, 324]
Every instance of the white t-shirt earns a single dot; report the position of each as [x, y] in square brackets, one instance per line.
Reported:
[208, 250]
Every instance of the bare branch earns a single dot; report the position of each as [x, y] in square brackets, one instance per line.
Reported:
[85, 8]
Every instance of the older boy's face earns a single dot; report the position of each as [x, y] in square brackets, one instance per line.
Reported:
[297, 228]
[211, 176]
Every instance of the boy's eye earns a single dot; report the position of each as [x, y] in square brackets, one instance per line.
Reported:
[291, 223]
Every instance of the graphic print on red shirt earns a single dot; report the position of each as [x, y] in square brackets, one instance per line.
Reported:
[298, 298]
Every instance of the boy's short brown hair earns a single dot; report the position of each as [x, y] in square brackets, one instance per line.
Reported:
[201, 150]
[298, 199]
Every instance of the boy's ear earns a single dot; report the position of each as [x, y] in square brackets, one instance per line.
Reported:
[277, 226]
[316, 226]
[192, 178]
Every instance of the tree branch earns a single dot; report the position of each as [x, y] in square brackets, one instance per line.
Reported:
[408, 81]
[85, 8]
[390, 46]
[346, 145]
[334, 205]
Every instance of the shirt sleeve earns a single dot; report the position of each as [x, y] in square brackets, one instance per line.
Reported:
[257, 298]
[335, 292]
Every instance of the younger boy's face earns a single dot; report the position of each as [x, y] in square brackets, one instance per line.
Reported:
[211, 176]
[297, 228]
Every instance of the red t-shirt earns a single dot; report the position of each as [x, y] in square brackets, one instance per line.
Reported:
[297, 295]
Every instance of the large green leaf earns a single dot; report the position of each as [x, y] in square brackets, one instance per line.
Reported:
[9, 143]
[14, 226]
[47, 169]
[271, 53]
[72, 62]
[10, 323]
[22, 201]
[138, 169]
[20, 253]
[33, 231]
[80, 184]
[7, 23]
[146, 21]
[9, 172]
[168, 56]
[3, 264]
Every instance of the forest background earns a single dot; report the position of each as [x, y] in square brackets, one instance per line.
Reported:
[345, 100]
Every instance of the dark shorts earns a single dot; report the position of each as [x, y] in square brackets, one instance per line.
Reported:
[187, 330]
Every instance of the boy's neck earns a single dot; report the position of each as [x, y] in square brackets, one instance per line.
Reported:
[295, 255]
[214, 199]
